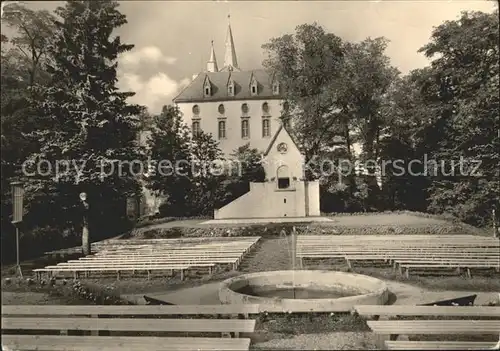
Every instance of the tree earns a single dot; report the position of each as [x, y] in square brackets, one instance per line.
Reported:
[186, 170]
[366, 76]
[244, 166]
[34, 30]
[206, 174]
[168, 148]
[465, 98]
[87, 121]
[19, 73]
[307, 65]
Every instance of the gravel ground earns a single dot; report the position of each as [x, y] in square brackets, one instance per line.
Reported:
[321, 341]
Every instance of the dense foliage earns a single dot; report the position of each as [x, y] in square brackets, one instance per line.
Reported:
[190, 170]
[431, 121]
[83, 124]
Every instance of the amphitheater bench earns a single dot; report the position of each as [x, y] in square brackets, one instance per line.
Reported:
[138, 310]
[436, 327]
[374, 311]
[51, 270]
[222, 326]
[438, 345]
[119, 343]
[389, 330]
[466, 265]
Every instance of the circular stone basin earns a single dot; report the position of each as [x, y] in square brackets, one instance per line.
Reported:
[304, 290]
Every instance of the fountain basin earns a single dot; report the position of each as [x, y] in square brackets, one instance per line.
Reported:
[304, 290]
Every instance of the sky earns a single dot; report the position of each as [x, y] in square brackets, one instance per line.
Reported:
[172, 38]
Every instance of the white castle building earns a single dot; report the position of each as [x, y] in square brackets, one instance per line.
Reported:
[236, 106]
[239, 107]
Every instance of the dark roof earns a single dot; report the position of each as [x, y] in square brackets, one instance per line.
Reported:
[273, 140]
[219, 80]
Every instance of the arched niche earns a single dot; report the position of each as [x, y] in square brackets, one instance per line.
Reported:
[283, 176]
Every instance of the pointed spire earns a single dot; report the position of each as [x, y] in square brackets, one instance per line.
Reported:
[230, 61]
[212, 63]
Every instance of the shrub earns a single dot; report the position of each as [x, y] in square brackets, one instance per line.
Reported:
[98, 295]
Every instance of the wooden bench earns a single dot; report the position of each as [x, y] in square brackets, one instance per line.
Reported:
[389, 330]
[92, 319]
[120, 343]
[190, 261]
[76, 270]
[162, 310]
[457, 265]
[439, 345]
[395, 259]
[130, 324]
[387, 250]
[405, 310]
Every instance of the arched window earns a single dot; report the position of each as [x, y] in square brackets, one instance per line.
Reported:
[222, 129]
[283, 176]
[245, 128]
[196, 128]
[266, 127]
[221, 109]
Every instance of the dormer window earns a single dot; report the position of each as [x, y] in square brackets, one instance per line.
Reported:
[254, 87]
[276, 88]
[207, 88]
[230, 88]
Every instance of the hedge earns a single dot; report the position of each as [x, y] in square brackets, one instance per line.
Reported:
[274, 230]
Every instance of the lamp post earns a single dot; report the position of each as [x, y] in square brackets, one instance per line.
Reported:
[17, 216]
[85, 227]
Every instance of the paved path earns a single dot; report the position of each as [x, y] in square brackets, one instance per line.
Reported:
[268, 220]
[406, 295]
[272, 254]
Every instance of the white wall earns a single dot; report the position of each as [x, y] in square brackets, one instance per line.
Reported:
[293, 159]
[209, 117]
[265, 200]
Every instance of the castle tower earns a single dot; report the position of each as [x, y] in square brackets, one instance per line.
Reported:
[230, 61]
[212, 63]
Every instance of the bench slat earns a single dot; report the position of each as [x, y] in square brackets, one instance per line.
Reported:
[438, 345]
[135, 324]
[119, 343]
[404, 310]
[436, 327]
[47, 310]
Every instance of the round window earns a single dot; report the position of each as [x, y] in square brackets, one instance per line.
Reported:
[265, 107]
[244, 108]
[221, 109]
[196, 110]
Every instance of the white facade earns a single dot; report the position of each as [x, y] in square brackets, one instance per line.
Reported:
[237, 128]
